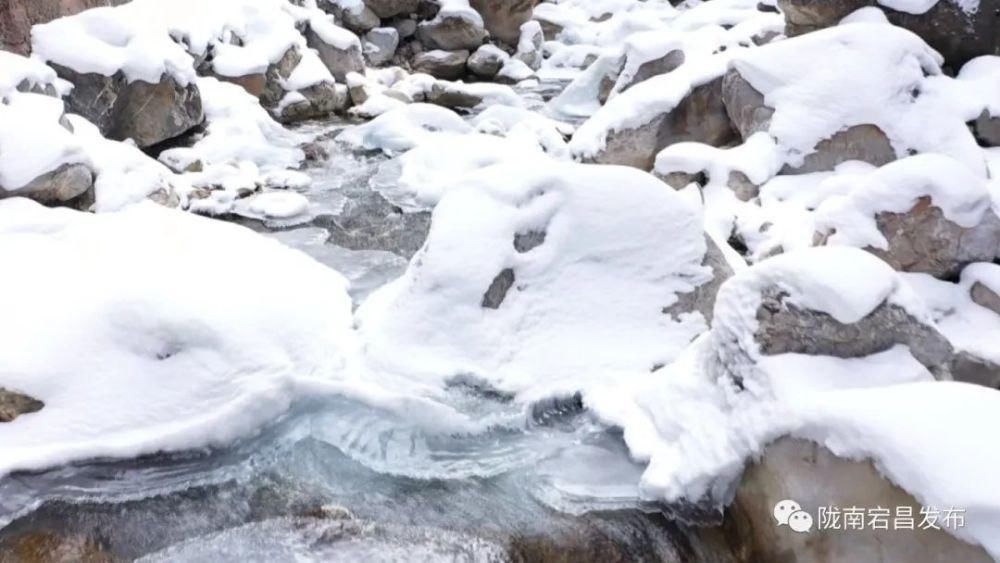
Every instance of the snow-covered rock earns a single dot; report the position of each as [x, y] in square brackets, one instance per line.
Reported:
[339, 49]
[557, 273]
[455, 28]
[958, 29]
[926, 213]
[150, 359]
[449, 65]
[504, 18]
[487, 61]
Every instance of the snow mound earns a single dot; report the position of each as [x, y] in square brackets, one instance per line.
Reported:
[547, 274]
[33, 140]
[152, 329]
[401, 129]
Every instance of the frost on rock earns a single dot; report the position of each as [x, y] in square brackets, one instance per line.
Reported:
[149, 358]
[554, 272]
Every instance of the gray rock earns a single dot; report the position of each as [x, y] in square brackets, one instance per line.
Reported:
[812, 476]
[452, 95]
[380, 45]
[70, 184]
[359, 21]
[945, 26]
[924, 240]
[450, 33]
[529, 47]
[321, 100]
[148, 113]
[702, 299]
[785, 328]
[745, 105]
[504, 18]
[700, 117]
[487, 61]
[661, 65]
[406, 28]
[497, 292]
[985, 297]
[970, 368]
[13, 405]
[449, 65]
[339, 61]
[391, 8]
[987, 129]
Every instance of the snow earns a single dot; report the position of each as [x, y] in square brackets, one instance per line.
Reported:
[923, 6]
[33, 140]
[150, 359]
[587, 303]
[16, 71]
[401, 129]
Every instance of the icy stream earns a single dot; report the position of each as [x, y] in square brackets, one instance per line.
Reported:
[337, 480]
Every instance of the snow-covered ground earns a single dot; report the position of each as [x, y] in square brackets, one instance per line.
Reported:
[546, 278]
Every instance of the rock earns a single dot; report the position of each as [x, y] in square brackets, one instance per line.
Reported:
[813, 477]
[957, 35]
[986, 128]
[655, 67]
[148, 113]
[449, 65]
[529, 47]
[341, 54]
[391, 8]
[451, 32]
[18, 16]
[702, 299]
[317, 101]
[504, 18]
[749, 114]
[984, 296]
[487, 61]
[969, 368]
[13, 405]
[452, 95]
[380, 45]
[924, 240]
[70, 184]
[360, 19]
[700, 117]
[406, 28]
[786, 328]
[53, 547]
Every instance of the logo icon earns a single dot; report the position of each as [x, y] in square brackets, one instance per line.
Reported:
[789, 513]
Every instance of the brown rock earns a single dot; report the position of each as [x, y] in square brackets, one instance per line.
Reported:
[13, 405]
[813, 477]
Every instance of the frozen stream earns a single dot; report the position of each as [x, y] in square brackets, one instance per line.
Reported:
[337, 480]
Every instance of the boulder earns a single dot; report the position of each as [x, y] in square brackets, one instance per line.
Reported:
[812, 476]
[487, 61]
[750, 114]
[451, 95]
[148, 113]
[391, 8]
[504, 18]
[380, 45]
[406, 28]
[787, 328]
[14, 404]
[339, 49]
[784, 305]
[958, 35]
[702, 299]
[700, 117]
[360, 19]
[449, 65]
[923, 240]
[70, 184]
[317, 101]
[451, 31]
